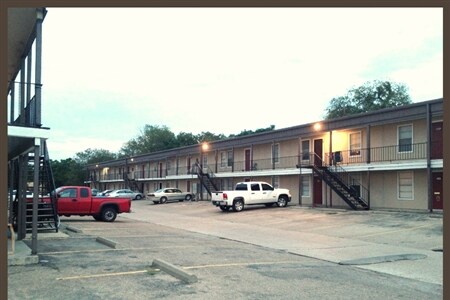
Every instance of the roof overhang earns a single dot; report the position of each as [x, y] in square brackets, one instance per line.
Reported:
[21, 34]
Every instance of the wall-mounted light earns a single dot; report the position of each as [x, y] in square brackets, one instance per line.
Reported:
[317, 126]
[205, 146]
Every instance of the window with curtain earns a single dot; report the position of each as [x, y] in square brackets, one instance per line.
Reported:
[405, 140]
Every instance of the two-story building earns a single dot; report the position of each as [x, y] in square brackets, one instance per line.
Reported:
[386, 159]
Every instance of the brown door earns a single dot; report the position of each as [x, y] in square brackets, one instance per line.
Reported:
[247, 160]
[318, 152]
[438, 195]
[317, 185]
[188, 186]
[317, 190]
[436, 140]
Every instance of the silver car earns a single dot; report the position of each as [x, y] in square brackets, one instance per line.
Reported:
[169, 194]
[126, 193]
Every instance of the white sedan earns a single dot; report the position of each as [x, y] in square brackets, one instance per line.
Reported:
[126, 193]
[169, 194]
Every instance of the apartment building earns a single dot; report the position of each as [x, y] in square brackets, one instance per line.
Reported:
[386, 159]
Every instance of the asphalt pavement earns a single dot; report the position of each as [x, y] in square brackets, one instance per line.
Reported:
[192, 250]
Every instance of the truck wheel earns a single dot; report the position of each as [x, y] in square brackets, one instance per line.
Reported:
[109, 214]
[188, 197]
[224, 208]
[238, 205]
[282, 201]
[163, 200]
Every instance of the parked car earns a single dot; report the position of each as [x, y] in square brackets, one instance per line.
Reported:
[104, 193]
[169, 194]
[126, 193]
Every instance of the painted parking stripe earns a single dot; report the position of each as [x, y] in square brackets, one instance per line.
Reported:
[104, 275]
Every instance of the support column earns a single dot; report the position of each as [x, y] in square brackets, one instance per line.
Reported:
[40, 19]
[34, 232]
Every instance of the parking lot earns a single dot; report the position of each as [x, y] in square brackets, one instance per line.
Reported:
[260, 253]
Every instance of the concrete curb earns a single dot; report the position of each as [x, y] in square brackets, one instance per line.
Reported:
[174, 271]
[106, 242]
[382, 259]
[74, 229]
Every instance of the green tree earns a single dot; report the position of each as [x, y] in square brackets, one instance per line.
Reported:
[247, 132]
[68, 172]
[206, 136]
[370, 96]
[186, 139]
[90, 156]
[151, 139]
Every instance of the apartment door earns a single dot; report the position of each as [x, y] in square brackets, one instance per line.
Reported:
[318, 152]
[438, 195]
[317, 181]
[247, 160]
[437, 140]
[317, 190]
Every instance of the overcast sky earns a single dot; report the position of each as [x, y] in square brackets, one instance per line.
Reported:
[109, 71]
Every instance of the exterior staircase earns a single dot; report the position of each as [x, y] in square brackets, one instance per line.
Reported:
[47, 216]
[341, 182]
[207, 179]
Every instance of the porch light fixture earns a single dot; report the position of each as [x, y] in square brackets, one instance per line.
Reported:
[205, 146]
[317, 126]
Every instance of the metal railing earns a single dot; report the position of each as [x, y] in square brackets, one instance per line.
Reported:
[345, 157]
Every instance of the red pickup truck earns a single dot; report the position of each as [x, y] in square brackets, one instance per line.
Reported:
[78, 200]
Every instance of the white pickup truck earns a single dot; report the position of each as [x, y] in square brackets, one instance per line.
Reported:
[250, 193]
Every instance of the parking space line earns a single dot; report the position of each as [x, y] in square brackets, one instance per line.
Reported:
[394, 231]
[107, 250]
[103, 275]
[242, 264]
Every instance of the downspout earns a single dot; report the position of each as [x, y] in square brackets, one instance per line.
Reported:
[368, 157]
[330, 161]
[429, 174]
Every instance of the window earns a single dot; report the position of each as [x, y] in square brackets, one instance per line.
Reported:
[355, 143]
[276, 153]
[405, 134]
[84, 193]
[305, 150]
[72, 193]
[266, 187]
[241, 187]
[223, 159]
[226, 159]
[305, 186]
[255, 187]
[405, 185]
[230, 158]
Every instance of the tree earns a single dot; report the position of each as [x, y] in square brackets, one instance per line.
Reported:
[370, 96]
[90, 156]
[247, 132]
[152, 138]
[186, 139]
[68, 172]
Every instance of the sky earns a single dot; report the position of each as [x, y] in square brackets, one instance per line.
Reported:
[107, 72]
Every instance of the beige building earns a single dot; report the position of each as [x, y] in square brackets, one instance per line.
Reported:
[387, 159]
